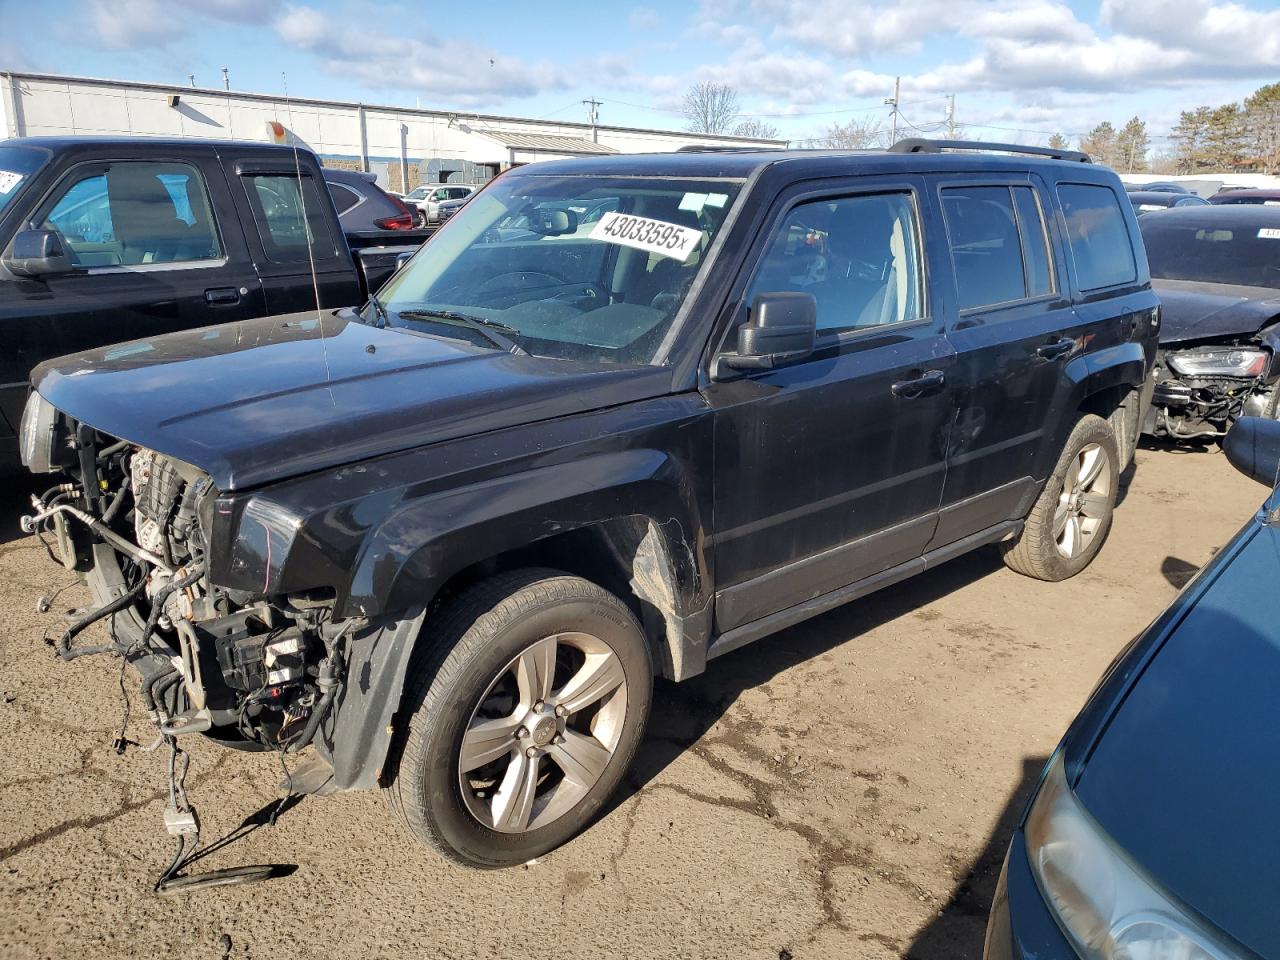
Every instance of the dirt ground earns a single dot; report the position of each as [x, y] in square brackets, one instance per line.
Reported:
[843, 789]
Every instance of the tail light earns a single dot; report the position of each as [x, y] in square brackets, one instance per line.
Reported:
[404, 220]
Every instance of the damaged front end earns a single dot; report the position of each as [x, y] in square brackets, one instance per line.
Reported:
[254, 670]
[1201, 390]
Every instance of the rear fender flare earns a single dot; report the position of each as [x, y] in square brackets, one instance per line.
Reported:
[1123, 365]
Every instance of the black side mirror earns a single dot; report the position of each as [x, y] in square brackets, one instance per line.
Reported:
[37, 253]
[1253, 447]
[782, 328]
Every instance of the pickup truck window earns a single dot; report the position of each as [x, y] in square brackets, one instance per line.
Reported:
[858, 256]
[1098, 236]
[278, 207]
[581, 268]
[17, 165]
[133, 213]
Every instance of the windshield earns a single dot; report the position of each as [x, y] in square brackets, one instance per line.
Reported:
[17, 165]
[1238, 254]
[576, 268]
[417, 193]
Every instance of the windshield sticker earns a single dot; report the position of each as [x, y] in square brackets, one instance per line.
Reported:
[9, 180]
[1269, 233]
[717, 199]
[656, 236]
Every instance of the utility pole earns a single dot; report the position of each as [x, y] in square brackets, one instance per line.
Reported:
[593, 113]
[893, 111]
[191, 77]
[951, 117]
[226, 79]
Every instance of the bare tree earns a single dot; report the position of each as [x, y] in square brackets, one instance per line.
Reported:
[756, 129]
[711, 107]
[855, 135]
[1262, 120]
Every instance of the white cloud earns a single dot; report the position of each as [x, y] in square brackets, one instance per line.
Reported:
[460, 72]
[132, 24]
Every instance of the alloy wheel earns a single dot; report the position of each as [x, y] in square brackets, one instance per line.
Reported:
[543, 733]
[1084, 502]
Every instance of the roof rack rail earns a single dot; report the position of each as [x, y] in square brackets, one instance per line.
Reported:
[924, 145]
[717, 148]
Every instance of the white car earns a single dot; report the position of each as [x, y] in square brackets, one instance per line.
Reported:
[427, 197]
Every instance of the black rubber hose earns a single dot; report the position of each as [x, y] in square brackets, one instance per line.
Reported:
[64, 648]
[116, 502]
[158, 602]
[157, 680]
[320, 712]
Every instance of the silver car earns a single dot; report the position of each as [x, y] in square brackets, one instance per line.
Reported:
[427, 198]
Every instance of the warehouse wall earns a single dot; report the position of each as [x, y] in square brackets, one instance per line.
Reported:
[44, 105]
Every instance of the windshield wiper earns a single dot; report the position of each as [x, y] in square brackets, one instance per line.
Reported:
[381, 319]
[492, 330]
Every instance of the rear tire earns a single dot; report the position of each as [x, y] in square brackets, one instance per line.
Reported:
[524, 713]
[1070, 520]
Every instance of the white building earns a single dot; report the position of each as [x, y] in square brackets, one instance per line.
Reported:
[402, 145]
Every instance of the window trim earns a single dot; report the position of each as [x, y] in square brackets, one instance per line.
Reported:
[826, 339]
[360, 198]
[55, 192]
[1086, 294]
[1002, 305]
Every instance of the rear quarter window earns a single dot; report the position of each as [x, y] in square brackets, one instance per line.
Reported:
[1098, 236]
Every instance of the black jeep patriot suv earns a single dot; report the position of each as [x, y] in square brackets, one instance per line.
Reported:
[620, 416]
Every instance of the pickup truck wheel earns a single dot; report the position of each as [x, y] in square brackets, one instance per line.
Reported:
[1071, 519]
[524, 715]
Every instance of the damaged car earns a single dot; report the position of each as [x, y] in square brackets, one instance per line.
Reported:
[1217, 271]
[445, 542]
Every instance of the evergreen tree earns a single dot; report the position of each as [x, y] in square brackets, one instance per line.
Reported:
[1262, 121]
[1100, 143]
[1132, 144]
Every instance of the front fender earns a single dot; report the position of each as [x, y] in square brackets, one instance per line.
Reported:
[407, 557]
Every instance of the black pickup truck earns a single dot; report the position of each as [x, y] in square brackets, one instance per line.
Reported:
[623, 415]
[103, 240]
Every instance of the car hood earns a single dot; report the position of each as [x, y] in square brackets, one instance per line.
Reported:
[1202, 311]
[271, 398]
[1187, 775]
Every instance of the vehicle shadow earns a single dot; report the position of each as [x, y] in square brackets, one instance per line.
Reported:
[682, 713]
[959, 929]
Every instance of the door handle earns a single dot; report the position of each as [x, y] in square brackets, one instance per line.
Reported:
[910, 389]
[1055, 350]
[222, 295]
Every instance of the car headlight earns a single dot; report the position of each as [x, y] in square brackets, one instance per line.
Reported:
[1219, 362]
[1104, 903]
[36, 434]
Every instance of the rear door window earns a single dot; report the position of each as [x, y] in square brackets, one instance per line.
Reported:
[986, 252]
[292, 221]
[1035, 242]
[1098, 236]
[134, 213]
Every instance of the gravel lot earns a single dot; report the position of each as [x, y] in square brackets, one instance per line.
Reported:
[843, 789]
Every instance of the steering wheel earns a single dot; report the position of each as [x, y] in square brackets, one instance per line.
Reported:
[525, 276]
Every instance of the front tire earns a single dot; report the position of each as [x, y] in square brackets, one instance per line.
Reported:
[524, 714]
[1072, 516]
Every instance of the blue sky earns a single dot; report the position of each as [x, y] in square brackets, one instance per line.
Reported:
[1020, 69]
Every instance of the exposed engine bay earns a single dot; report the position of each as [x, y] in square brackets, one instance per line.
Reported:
[251, 671]
[1200, 391]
